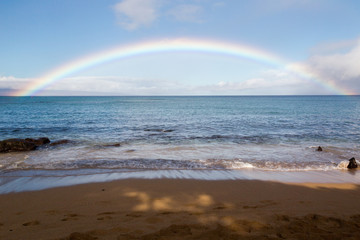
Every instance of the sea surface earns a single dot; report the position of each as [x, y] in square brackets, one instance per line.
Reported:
[175, 134]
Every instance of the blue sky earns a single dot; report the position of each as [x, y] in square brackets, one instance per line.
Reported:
[38, 36]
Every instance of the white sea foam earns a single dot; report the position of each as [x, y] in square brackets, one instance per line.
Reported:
[241, 165]
[37, 180]
[344, 164]
[196, 156]
[215, 134]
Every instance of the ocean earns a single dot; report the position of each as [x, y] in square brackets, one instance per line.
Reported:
[181, 136]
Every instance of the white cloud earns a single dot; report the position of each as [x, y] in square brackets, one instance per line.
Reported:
[11, 82]
[338, 65]
[273, 82]
[187, 13]
[119, 85]
[341, 69]
[132, 14]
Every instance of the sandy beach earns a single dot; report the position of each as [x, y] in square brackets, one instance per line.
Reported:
[184, 209]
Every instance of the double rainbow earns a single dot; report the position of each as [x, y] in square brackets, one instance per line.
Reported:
[174, 45]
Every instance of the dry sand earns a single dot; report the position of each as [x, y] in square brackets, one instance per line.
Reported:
[183, 209]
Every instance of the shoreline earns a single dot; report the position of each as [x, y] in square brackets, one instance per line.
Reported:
[183, 209]
[35, 180]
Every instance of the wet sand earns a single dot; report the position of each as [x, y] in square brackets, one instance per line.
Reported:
[33, 180]
[184, 209]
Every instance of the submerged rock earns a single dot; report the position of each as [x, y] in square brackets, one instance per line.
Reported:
[113, 145]
[39, 141]
[352, 163]
[167, 130]
[110, 145]
[158, 130]
[15, 145]
[59, 142]
[19, 145]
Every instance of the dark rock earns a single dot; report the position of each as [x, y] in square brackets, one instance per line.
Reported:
[319, 149]
[168, 130]
[19, 145]
[352, 163]
[158, 130]
[108, 145]
[16, 145]
[113, 145]
[38, 142]
[59, 142]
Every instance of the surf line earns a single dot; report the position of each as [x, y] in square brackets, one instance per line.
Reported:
[170, 45]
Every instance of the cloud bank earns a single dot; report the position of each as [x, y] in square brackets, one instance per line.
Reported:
[339, 69]
[11, 83]
[132, 14]
[342, 69]
[187, 13]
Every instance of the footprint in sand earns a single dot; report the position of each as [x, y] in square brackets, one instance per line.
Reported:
[32, 223]
[68, 217]
[165, 213]
[220, 207]
[105, 215]
[135, 215]
[104, 218]
[195, 213]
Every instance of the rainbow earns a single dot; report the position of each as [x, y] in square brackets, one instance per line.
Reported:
[170, 45]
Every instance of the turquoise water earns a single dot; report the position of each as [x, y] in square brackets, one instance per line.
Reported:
[271, 133]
